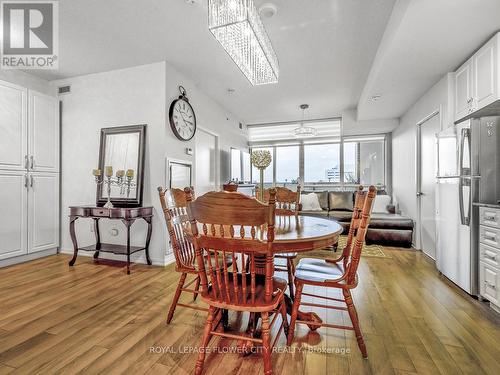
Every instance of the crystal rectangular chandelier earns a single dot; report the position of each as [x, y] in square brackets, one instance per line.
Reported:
[238, 28]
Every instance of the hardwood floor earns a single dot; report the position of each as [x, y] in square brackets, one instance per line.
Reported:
[96, 319]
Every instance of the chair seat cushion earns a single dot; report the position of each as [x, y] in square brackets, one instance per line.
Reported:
[318, 270]
[285, 255]
[245, 303]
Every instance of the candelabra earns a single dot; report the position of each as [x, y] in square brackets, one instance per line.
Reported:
[124, 180]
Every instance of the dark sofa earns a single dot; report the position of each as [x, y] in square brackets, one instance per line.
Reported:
[386, 228]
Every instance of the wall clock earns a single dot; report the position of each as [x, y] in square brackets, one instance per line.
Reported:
[182, 117]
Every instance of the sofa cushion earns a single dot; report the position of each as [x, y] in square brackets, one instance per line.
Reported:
[344, 216]
[341, 200]
[389, 237]
[322, 198]
[390, 221]
[310, 202]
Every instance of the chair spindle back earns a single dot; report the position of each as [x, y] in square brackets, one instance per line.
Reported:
[364, 204]
[236, 226]
[174, 203]
[287, 201]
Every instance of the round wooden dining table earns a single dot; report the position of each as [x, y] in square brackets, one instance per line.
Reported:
[304, 233]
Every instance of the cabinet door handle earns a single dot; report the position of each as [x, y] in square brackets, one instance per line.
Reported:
[469, 101]
[32, 159]
[31, 181]
[26, 182]
[490, 236]
[26, 162]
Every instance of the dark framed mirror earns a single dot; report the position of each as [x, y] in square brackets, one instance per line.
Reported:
[123, 149]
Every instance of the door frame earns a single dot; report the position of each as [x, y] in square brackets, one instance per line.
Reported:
[418, 170]
[217, 157]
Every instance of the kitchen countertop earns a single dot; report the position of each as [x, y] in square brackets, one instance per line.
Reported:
[489, 205]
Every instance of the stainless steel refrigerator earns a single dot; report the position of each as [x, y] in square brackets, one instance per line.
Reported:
[468, 173]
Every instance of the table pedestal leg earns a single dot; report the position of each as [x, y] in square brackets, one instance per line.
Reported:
[72, 233]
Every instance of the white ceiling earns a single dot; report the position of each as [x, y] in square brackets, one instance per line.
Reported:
[325, 48]
[424, 40]
[334, 54]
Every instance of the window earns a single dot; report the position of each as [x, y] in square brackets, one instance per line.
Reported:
[364, 162]
[327, 159]
[287, 165]
[246, 166]
[235, 164]
[268, 172]
[322, 163]
[372, 163]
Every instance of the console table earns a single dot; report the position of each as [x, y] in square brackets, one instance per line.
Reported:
[127, 215]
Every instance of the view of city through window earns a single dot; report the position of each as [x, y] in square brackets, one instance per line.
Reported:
[364, 162]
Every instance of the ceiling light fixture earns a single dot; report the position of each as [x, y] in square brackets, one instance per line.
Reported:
[304, 131]
[238, 28]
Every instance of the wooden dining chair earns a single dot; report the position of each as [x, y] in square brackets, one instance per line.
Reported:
[340, 273]
[230, 186]
[287, 205]
[242, 227]
[173, 203]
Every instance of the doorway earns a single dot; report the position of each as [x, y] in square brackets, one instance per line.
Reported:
[427, 130]
[206, 162]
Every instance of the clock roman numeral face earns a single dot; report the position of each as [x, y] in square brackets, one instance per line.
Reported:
[183, 119]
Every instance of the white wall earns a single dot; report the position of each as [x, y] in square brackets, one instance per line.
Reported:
[138, 95]
[404, 140]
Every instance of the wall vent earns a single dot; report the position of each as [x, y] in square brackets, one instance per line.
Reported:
[61, 90]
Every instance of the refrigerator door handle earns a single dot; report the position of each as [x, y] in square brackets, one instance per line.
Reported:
[465, 220]
[465, 135]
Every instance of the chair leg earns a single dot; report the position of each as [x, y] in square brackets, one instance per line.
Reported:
[289, 268]
[284, 317]
[177, 294]
[266, 344]
[196, 287]
[204, 341]
[295, 311]
[355, 321]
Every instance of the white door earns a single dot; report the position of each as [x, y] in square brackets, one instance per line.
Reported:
[463, 90]
[13, 128]
[427, 183]
[13, 220]
[43, 128]
[43, 211]
[486, 74]
[206, 162]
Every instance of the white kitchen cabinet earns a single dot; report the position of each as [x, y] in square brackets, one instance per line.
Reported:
[477, 82]
[43, 130]
[13, 126]
[463, 90]
[43, 211]
[489, 255]
[13, 221]
[29, 171]
[486, 74]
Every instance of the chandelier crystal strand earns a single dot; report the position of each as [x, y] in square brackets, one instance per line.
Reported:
[237, 26]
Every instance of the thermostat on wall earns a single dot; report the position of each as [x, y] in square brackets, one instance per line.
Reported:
[189, 151]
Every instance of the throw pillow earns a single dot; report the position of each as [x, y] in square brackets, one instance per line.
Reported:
[310, 202]
[380, 204]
